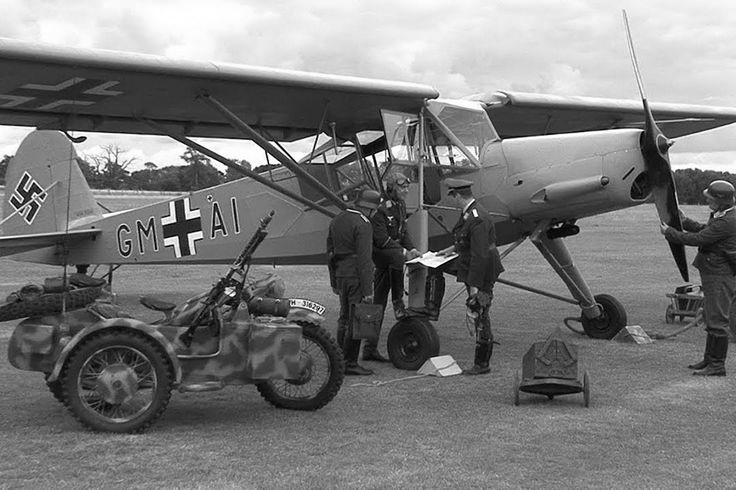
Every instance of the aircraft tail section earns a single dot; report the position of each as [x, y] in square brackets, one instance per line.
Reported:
[45, 190]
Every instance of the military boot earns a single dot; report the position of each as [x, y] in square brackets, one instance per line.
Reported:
[352, 350]
[370, 353]
[400, 309]
[717, 365]
[483, 352]
[706, 356]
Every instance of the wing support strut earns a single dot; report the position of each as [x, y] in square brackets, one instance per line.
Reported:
[248, 173]
[256, 137]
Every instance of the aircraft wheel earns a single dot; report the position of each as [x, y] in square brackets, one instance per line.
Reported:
[323, 371]
[612, 319]
[517, 383]
[669, 314]
[411, 341]
[117, 381]
[586, 389]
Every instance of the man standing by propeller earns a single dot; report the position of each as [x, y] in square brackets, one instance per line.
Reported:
[716, 261]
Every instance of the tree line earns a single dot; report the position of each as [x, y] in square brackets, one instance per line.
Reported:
[108, 169]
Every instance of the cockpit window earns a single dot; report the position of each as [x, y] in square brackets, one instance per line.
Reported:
[466, 126]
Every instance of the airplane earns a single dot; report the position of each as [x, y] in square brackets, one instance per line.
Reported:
[539, 163]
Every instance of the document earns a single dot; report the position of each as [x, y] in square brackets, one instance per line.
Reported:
[431, 259]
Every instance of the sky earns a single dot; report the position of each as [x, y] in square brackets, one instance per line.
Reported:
[685, 49]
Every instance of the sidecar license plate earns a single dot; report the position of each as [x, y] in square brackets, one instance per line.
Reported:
[307, 305]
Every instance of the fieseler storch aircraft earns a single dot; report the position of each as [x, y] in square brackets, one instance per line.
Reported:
[538, 162]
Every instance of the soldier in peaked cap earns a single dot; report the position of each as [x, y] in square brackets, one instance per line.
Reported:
[349, 247]
[716, 262]
[478, 266]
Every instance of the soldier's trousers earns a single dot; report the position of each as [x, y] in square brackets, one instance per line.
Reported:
[350, 293]
[718, 294]
[385, 279]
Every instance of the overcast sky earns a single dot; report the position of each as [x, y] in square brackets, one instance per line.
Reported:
[686, 50]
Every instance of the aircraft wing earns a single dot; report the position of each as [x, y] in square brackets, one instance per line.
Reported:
[526, 114]
[10, 245]
[52, 87]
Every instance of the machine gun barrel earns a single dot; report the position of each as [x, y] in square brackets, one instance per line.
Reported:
[217, 297]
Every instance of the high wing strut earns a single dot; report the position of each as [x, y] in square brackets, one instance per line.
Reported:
[256, 137]
[248, 173]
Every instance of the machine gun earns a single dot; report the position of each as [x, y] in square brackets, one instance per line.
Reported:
[219, 294]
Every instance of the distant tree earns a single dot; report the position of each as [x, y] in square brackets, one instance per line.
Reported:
[198, 173]
[690, 183]
[4, 167]
[233, 174]
[110, 167]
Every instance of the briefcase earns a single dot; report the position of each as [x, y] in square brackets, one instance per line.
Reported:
[367, 320]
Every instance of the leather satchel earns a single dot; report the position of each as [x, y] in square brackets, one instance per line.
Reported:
[366, 321]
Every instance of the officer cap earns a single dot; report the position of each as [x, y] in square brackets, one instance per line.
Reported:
[457, 184]
[720, 190]
[368, 198]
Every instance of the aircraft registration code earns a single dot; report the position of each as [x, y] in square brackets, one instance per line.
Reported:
[307, 305]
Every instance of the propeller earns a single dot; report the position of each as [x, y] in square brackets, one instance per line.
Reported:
[655, 147]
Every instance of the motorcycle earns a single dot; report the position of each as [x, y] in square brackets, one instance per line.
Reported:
[116, 373]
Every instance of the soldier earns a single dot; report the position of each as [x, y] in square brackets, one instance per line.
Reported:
[478, 266]
[349, 245]
[716, 261]
[392, 246]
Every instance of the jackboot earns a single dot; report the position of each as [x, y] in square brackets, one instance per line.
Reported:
[483, 352]
[706, 356]
[717, 366]
[370, 353]
[352, 350]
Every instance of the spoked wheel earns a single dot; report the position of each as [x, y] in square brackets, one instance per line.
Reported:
[611, 320]
[412, 341]
[322, 373]
[117, 382]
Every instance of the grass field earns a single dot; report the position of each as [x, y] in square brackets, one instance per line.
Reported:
[651, 424]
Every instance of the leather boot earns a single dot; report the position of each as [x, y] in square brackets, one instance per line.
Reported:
[706, 356]
[483, 352]
[717, 366]
[352, 350]
[400, 309]
[370, 353]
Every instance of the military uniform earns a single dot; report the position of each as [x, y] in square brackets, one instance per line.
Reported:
[715, 241]
[478, 265]
[349, 246]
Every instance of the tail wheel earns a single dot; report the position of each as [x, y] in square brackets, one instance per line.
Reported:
[117, 381]
[611, 320]
[322, 373]
[411, 342]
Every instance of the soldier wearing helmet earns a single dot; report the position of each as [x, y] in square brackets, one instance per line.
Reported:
[349, 246]
[716, 262]
[392, 245]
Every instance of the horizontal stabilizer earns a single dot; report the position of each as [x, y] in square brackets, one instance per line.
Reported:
[10, 245]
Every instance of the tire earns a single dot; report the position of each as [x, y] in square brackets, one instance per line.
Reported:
[411, 342]
[55, 388]
[612, 319]
[48, 304]
[322, 374]
[117, 381]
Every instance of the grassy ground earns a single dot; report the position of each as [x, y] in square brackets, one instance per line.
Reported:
[650, 424]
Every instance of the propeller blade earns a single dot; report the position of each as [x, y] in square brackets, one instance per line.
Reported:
[655, 150]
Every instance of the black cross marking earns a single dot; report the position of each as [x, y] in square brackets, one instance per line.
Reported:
[80, 91]
[181, 226]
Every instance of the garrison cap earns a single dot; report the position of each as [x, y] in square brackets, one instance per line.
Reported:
[457, 184]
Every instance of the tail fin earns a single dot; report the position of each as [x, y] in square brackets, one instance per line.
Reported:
[45, 190]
